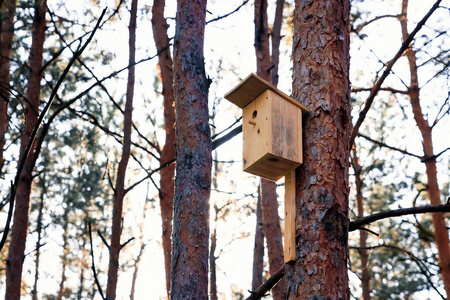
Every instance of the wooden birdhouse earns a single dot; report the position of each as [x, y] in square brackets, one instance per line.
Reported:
[272, 148]
[271, 127]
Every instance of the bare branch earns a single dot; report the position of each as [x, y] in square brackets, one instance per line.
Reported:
[393, 91]
[381, 144]
[93, 264]
[226, 15]
[358, 223]
[267, 285]
[377, 86]
[361, 26]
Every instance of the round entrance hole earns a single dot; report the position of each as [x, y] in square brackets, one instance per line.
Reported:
[254, 114]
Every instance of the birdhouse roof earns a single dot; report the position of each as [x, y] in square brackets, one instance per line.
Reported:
[250, 89]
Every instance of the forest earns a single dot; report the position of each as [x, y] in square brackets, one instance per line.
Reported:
[121, 161]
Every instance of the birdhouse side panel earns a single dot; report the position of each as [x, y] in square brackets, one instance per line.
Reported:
[256, 129]
[286, 129]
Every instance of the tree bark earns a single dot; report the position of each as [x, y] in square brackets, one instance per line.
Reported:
[258, 250]
[440, 231]
[363, 252]
[269, 204]
[276, 39]
[20, 226]
[7, 12]
[119, 192]
[64, 259]
[189, 276]
[212, 265]
[167, 184]
[320, 82]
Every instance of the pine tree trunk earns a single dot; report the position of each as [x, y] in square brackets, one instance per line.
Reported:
[363, 253]
[167, 184]
[258, 250]
[20, 226]
[320, 82]
[7, 12]
[440, 231]
[269, 204]
[189, 276]
[119, 192]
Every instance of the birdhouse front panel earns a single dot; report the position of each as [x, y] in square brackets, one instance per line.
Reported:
[272, 136]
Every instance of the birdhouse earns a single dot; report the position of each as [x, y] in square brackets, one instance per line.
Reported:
[271, 127]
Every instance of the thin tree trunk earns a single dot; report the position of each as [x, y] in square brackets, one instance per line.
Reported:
[38, 242]
[320, 82]
[272, 232]
[136, 269]
[258, 250]
[84, 258]
[119, 192]
[363, 253]
[189, 276]
[440, 231]
[20, 226]
[7, 12]
[212, 265]
[276, 39]
[64, 260]
[269, 204]
[166, 182]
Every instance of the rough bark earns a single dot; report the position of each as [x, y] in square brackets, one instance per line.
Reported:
[189, 276]
[440, 231]
[7, 12]
[119, 192]
[363, 252]
[258, 250]
[166, 183]
[20, 226]
[320, 82]
[269, 204]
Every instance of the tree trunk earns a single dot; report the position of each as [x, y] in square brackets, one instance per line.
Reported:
[7, 12]
[189, 276]
[119, 192]
[320, 82]
[38, 242]
[440, 231]
[276, 39]
[20, 226]
[258, 250]
[166, 182]
[64, 260]
[136, 269]
[363, 253]
[269, 204]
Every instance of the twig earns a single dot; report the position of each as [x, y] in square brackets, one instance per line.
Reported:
[226, 15]
[93, 264]
[36, 128]
[381, 144]
[358, 223]
[103, 239]
[126, 243]
[387, 71]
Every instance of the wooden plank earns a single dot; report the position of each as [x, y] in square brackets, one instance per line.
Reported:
[289, 217]
[250, 89]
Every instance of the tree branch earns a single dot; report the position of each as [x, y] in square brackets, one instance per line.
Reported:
[93, 264]
[377, 86]
[358, 223]
[381, 144]
[267, 285]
